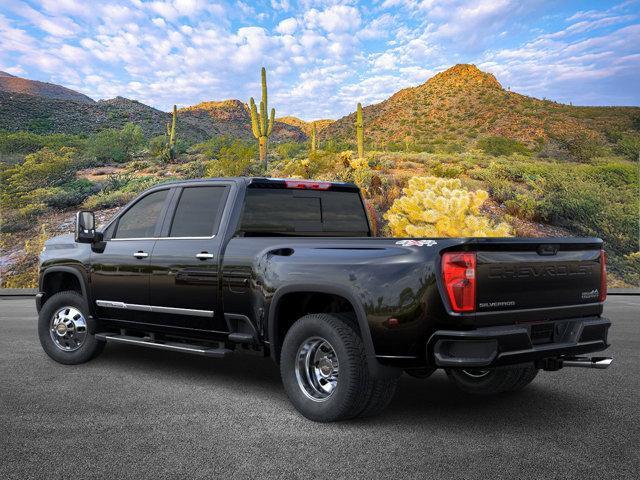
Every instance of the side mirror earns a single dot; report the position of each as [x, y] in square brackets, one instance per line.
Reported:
[85, 227]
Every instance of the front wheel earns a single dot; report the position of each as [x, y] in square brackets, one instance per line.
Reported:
[325, 373]
[492, 381]
[64, 329]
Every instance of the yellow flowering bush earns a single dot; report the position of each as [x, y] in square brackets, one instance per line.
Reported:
[441, 207]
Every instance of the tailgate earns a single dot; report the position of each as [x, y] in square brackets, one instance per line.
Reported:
[535, 274]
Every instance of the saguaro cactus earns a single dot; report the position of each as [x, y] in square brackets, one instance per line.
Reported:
[360, 132]
[314, 137]
[171, 135]
[260, 124]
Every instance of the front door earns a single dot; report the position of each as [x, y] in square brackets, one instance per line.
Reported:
[120, 270]
[184, 289]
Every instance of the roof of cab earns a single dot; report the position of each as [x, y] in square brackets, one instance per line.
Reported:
[266, 182]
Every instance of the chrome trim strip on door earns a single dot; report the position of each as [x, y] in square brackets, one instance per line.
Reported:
[162, 238]
[182, 311]
[154, 308]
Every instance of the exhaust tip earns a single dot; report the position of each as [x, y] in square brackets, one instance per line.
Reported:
[587, 362]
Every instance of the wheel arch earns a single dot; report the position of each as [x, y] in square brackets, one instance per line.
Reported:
[60, 278]
[275, 342]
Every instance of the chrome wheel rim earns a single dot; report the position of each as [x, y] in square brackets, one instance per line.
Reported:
[476, 373]
[317, 369]
[68, 329]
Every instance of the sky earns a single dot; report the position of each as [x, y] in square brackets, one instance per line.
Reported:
[322, 57]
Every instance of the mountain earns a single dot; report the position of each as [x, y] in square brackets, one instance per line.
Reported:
[304, 125]
[16, 85]
[464, 103]
[48, 108]
[19, 111]
[232, 118]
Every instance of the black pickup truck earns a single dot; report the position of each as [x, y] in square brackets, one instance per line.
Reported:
[289, 269]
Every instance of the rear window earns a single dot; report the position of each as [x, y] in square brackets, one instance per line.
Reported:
[198, 212]
[303, 212]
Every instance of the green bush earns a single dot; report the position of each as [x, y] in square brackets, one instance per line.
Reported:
[289, 150]
[28, 142]
[69, 194]
[447, 171]
[157, 145]
[581, 146]
[232, 157]
[108, 200]
[116, 145]
[44, 169]
[629, 146]
[498, 146]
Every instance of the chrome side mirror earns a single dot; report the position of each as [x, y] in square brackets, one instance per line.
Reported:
[85, 227]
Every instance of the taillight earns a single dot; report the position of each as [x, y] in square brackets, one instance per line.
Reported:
[307, 184]
[603, 275]
[459, 276]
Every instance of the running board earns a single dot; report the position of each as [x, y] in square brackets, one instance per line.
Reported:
[587, 362]
[172, 346]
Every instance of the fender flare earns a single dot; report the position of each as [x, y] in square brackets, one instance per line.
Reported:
[361, 316]
[73, 271]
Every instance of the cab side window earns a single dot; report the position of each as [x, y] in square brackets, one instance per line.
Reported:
[198, 212]
[141, 219]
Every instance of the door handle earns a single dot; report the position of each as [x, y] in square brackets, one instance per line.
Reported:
[204, 255]
[141, 254]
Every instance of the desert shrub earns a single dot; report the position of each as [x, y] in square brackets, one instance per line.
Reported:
[45, 168]
[28, 276]
[232, 159]
[437, 207]
[157, 145]
[40, 125]
[629, 146]
[322, 165]
[195, 169]
[446, 170]
[108, 199]
[523, 206]
[69, 194]
[116, 145]
[498, 146]
[289, 150]
[581, 146]
[28, 142]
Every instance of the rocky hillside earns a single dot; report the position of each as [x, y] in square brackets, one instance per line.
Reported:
[464, 103]
[232, 118]
[12, 84]
[305, 126]
[48, 108]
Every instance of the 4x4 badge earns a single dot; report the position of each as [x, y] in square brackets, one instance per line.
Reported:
[416, 243]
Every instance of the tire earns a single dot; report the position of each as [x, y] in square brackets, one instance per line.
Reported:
[493, 381]
[420, 373]
[380, 394]
[324, 371]
[74, 342]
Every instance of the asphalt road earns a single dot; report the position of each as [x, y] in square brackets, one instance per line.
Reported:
[141, 413]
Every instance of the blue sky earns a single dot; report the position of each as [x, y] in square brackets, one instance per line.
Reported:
[322, 56]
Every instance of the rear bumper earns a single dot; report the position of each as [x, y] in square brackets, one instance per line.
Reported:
[513, 344]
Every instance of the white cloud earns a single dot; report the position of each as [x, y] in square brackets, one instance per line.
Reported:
[287, 26]
[335, 19]
[280, 5]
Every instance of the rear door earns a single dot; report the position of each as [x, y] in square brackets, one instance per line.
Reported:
[184, 283]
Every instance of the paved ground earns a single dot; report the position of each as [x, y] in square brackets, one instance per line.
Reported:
[138, 413]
